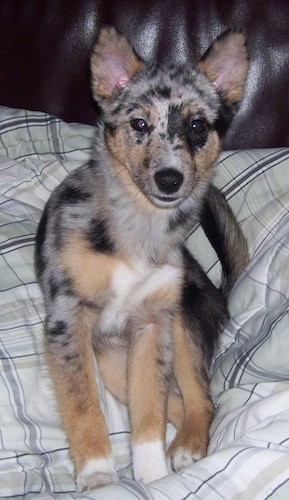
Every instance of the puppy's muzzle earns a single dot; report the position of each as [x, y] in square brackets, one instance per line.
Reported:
[169, 180]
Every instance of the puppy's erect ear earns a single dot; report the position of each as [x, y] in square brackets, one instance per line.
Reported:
[113, 63]
[226, 65]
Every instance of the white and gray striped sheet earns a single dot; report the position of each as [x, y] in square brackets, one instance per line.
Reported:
[249, 447]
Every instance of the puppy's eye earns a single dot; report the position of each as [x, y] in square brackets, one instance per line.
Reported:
[139, 125]
[198, 126]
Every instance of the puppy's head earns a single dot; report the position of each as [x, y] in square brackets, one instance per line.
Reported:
[164, 123]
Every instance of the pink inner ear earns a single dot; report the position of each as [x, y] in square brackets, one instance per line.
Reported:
[221, 82]
[228, 71]
[116, 74]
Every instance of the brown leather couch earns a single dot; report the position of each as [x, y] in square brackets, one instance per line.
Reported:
[45, 47]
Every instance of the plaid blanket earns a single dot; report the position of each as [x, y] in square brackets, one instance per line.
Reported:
[248, 454]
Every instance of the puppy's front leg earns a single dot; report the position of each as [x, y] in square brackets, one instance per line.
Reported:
[191, 441]
[70, 357]
[148, 369]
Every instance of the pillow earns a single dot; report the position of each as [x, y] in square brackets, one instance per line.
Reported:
[248, 453]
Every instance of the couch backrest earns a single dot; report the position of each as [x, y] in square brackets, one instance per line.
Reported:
[45, 48]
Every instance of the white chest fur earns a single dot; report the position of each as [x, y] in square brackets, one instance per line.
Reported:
[130, 286]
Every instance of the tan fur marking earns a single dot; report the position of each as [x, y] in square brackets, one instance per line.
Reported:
[115, 382]
[206, 157]
[198, 408]
[127, 155]
[168, 296]
[78, 395]
[147, 400]
[89, 270]
[114, 379]
[176, 412]
[190, 110]
[187, 369]
[146, 384]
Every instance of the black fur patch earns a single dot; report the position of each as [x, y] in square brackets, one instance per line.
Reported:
[226, 115]
[162, 91]
[110, 128]
[57, 287]
[204, 307]
[71, 194]
[175, 122]
[179, 219]
[194, 140]
[72, 357]
[98, 236]
[146, 163]
[159, 91]
[60, 328]
[40, 261]
[215, 236]
[53, 287]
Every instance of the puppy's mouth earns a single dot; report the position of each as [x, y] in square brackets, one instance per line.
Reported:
[166, 201]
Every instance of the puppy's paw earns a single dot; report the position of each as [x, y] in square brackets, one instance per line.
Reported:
[149, 461]
[95, 474]
[192, 439]
[184, 452]
[183, 457]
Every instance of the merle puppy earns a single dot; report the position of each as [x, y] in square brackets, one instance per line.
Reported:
[117, 279]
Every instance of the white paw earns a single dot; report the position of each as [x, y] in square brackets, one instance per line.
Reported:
[149, 461]
[184, 457]
[96, 473]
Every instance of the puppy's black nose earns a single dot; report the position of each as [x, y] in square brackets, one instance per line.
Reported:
[169, 180]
